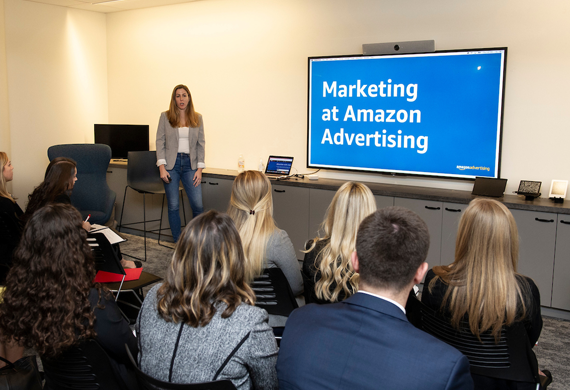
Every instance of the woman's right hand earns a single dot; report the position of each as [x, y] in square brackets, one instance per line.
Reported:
[164, 174]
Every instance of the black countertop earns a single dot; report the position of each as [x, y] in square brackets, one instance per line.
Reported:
[412, 192]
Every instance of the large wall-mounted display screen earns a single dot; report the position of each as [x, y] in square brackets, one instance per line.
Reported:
[432, 114]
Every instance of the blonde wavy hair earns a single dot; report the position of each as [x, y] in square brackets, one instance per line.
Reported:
[207, 269]
[173, 113]
[483, 282]
[3, 190]
[251, 208]
[351, 204]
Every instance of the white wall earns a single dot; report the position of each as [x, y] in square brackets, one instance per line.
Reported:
[245, 62]
[4, 119]
[57, 83]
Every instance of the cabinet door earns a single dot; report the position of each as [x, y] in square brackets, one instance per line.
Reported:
[291, 213]
[451, 215]
[431, 213]
[383, 201]
[319, 201]
[216, 193]
[560, 285]
[537, 232]
[117, 181]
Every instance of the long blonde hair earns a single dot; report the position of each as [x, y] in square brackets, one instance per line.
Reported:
[351, 204]
[3, 190]
[251, 208]
[483, 279]
[173, 113]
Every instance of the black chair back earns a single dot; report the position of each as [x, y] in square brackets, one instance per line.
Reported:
[146, 382]
[273, 293]
[9, 238]
[143, 174]
[510, 359]
[485, 353]
[85, 367]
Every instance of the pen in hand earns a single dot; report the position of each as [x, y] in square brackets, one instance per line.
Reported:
[87, 219]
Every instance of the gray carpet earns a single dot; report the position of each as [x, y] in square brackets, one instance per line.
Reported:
[553, 349]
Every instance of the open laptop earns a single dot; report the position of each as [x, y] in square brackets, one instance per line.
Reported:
[486, 186]
[278, 166]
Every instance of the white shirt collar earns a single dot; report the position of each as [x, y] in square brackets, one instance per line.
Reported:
[384, 298]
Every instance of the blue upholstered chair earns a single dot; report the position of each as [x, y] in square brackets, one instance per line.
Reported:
[91, 194]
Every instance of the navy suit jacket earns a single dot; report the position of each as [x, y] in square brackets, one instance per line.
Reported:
[364, 343]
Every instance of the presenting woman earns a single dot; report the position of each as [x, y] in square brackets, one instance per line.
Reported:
[180, 151]
[50, 303]
[328, 272]
[201, 324]
[482, 288]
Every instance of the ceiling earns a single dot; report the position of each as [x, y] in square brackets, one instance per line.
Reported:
[107, 6]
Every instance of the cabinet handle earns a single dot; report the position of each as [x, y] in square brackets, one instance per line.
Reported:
[213, 184]
[203, 182]
[543, 220]
[276, 190]
[564, 222]
[453, 210]
[432, 208]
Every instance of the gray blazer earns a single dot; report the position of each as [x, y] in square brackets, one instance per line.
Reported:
[202, 350]
[167, 143]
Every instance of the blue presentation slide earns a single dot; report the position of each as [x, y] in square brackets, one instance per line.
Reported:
[429, 114]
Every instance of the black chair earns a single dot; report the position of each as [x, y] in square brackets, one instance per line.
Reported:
[143, 177]
[273, 293]
[510, 359]
[85, 367]
[9, 238]
[146, 382]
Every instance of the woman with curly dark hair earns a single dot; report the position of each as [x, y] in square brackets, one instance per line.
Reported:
[201, 323]
[50, 302]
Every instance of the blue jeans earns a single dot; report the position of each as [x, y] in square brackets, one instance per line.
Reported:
[182, 171]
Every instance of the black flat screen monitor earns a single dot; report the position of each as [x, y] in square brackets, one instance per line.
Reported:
[123, 138]
[431, 114]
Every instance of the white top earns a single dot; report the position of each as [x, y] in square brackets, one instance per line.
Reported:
[183, 144]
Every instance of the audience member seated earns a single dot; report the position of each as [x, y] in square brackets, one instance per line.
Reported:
[366, 342]
[50, 302]
[482, 285]
[328, 273]
[201, 324]
[265, 245]
[11, 214]
[59, 179]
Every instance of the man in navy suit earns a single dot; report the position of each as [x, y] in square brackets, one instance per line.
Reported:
[366, 341]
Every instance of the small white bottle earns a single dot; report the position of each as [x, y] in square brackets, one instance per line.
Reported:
[261, 167]
[241, 163]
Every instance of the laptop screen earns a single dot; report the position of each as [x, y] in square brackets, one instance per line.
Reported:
[279, 165]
